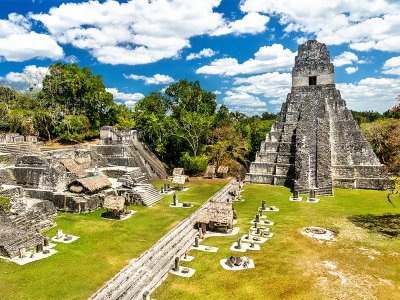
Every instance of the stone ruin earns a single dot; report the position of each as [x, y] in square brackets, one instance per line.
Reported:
[315, 144]
[14, 144]
[125, 148]
[21, 226]
[73, 179]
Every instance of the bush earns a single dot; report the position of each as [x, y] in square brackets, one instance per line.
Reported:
[193, 165]
[4, 203]
[73, 128]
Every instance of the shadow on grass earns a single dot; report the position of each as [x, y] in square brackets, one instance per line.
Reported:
[387, 224]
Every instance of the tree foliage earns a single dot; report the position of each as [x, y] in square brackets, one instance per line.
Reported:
[185, 129]
[71, 106]
[384, 136]
[366, 116]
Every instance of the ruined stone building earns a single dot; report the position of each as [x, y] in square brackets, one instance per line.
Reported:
[74, 179]
[315, 143]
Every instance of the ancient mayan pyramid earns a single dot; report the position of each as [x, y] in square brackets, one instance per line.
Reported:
[315, 142]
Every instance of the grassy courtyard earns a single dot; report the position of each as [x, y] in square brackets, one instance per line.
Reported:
[104, 247]
[359, 264]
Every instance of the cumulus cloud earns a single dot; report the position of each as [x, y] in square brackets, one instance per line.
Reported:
[217, 92]
[206, 52]
[15, 24]
[251, 94]
[248, 110]
[345, 58]
[129, 99]
[273, 86]
[364, 24]
[376, 94]
[252, 23]
[133, 32]
[32, 76]
[155, 79]
[266, 59]
[392, 66]
[124, 96]
[18, 43]
[239, 99]
[351, 70]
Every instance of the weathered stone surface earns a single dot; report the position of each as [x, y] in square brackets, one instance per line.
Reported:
[315, 142]
[21, 225]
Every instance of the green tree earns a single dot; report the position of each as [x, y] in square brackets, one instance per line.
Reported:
[150, 114]
[189, 96]
[191, 127]
[366, 116]
[78, 92]
[382, 135]
[227, 147]
[73, 128]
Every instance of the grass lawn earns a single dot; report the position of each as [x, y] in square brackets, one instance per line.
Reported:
[359, 264]
[104, 247]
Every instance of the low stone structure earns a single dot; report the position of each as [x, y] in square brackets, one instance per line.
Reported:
[222, 171]
[315, 143]
[89, 185]
[210, 172]
[218, 216]
[179, 180]
[115, 206]
[178, 171]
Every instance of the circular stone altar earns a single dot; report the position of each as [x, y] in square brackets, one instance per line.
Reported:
[318, 233]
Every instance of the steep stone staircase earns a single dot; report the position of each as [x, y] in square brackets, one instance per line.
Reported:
[149, 158]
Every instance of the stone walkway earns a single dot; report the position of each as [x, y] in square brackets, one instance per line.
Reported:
[147, 272]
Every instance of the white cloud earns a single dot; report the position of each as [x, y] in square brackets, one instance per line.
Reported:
[345, 58]
[130, 104]
[266, 59]
[365, 25]
[363, 46]
[133, 32]
[124, 96]
[351, 70]
[15, 24]
[206, 52]
[248, 110]
[32, 76]
[155, 79]
[376, 94]
[392, 66]
[217, 92]
[251, 23]
[18, 43]
[270, 85]
[242, 99]
[253, 91]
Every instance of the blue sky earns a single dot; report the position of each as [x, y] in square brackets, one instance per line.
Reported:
[241, 50]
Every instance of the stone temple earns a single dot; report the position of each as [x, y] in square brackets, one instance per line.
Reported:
[315, 144]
